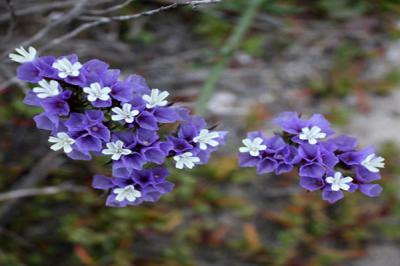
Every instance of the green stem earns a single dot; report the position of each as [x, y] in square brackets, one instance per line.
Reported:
[227, 51]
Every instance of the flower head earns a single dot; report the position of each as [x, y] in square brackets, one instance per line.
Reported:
[62, 141]
[66, 68]
[253, 146]
[373, 163]
[128, 193]
[312, 134]
[186, 159]
[125, 113]
[22, 55]
[155, 98]
[47, 89]
[116, 149]
[96, 92]
[321, 161]
[123, 121]
[338, 182]
[205, 138]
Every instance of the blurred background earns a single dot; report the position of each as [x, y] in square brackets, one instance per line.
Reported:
[239, 62]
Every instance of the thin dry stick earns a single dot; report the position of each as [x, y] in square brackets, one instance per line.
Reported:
[46, 7]
[104, 20]
[12, 19]
[29, 192]
[111, 9]
[39, 172]
[73, 13]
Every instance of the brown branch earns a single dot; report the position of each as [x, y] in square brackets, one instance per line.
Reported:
[105, 20]
[39, 172]
[73, 13]
[12, 19]
[111, 9]
[29, 192]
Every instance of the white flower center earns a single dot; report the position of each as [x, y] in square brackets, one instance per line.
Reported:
[253, 147]
[66, 68]
[312, 134]
[206, 138]
[62, 141]
[22, 55]
[373, 163]
[126, 113]
[116, 149]
[96, 92]
[156, 98]
[128, 193]
[47, 89]
[186, 159]
[338, 182]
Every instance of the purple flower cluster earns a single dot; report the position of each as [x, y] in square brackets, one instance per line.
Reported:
[90, 111]
[331, 164]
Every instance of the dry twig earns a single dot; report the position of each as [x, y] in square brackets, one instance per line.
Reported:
[29, 192]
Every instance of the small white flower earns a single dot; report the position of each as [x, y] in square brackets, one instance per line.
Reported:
[128, 193]
[46, 89]
[156, 98]
[126, 113]
[339, 182]
[373, 163]
[186, 159]
[312, 135]
[95, 91]
[66, 68]
[253, 146]
[206, 138]
[22, 55]
[116, 149]
[62, 141]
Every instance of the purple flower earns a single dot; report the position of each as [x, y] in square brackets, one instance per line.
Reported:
[90, 111]
[135, 188]
[57, 105]
[344, 143]
[320, 161]
[36, 70]
[312, 130]
[88, 130]
[311, 183]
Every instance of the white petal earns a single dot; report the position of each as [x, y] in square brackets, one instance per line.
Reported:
[57, 146]
[67, 148]
[244, 149]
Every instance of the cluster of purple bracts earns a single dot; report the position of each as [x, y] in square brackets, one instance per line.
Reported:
[331, 164]
[90, 111]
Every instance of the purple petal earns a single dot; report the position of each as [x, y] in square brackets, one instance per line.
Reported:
[266, 165]
[147, 121]
[344, 143]
[332, 196]
[102, 182]
[309, 152]
[46, 121]
[88, 143]
[165, 114]
[29, 72]
[311, 183]
[312, 170]
[134, 161]
[154, 154]
[146, 137]
[363, 175]
[371, 190]
[246, 160]
[283, 168]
